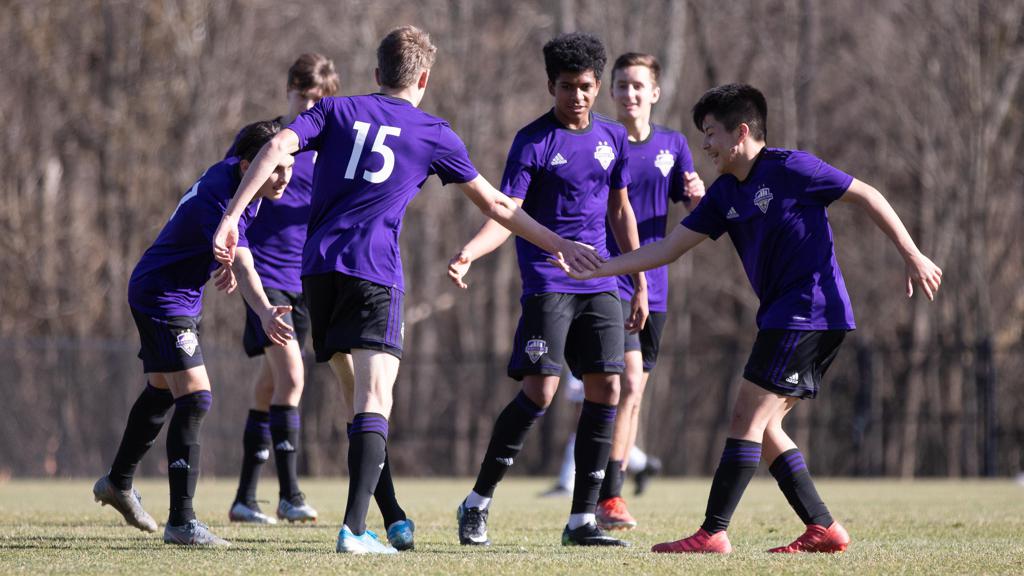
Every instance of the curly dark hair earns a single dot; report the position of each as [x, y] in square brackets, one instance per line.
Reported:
[732, 104]
[575, 52]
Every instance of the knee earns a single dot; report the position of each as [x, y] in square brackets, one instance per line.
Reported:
[742, 424]
[606, 390]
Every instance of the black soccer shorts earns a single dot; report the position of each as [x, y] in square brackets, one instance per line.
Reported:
[582, 330]
[648, 340]
[168, 344]
[349, 313]
[254, 339]
[792, 362]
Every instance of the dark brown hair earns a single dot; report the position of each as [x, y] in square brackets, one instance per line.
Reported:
[638, 59]
[312, 70]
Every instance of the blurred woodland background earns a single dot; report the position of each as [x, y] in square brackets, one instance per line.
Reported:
[112, 109]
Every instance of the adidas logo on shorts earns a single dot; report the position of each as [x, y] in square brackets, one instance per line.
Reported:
[794, 378]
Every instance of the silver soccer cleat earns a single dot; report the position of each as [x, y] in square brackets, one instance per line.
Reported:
[242, 512]
[127, 502]
[192, 533]
[296, 510]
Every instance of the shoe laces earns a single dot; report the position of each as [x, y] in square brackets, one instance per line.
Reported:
[474, 518]
[296, 500]
[810, 539]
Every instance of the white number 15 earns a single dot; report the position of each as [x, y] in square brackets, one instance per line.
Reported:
[362, 129]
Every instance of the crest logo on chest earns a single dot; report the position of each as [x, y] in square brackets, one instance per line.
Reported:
[763, 198]
[664, 161]
[604, 154]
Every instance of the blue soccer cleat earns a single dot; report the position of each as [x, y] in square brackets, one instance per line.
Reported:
[365, 543]
[400, 534]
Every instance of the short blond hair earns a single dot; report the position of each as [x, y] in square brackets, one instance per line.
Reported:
[402, 55]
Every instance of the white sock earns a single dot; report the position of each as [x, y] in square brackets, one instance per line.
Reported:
[475, 500]
[577, 520]
[567, 475]
[637, 460]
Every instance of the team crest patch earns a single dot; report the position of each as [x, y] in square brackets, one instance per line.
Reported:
[187, 341]
[664, 161]
[536, 348]
[604, 154]
[763, 198]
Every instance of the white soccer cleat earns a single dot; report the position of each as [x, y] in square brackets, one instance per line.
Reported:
[242, 512]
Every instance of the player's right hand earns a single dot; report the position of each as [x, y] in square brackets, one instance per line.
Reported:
[274, 325]
[579, 256]
[225, 239]
[458, 266]
[560, 262]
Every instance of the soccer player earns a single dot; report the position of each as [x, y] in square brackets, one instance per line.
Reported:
[374, 153]
[569, 170]
[772, 202]
[276, 238]
[661, 169]
[165, 294]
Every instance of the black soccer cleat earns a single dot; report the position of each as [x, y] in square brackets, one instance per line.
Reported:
[653, 468]
[472, 526]
[589, 535]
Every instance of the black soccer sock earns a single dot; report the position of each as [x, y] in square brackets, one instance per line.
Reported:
[506, 441]
[183, 453]
[256, 452]
[385, 496]
[144, 423]
[593, 444]
[367, 448]
[737, 466]
[284, 430]
[612, 484]
[790, 471]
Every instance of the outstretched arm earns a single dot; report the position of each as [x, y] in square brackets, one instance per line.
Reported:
[487, 239]
[270, 156]
[920, 270]
[252, 290]
[507, 213]
[622, 221]
[664, 251]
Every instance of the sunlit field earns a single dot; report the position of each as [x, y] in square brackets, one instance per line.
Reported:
[897, 527]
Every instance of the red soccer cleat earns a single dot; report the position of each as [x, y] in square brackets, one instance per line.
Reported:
[613, 515]
[701, 542]
[818, 539]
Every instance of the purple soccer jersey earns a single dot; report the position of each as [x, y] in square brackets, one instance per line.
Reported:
[277, 235]
[656, 168]
[778, 222]
[375, 152]
[563, 177]
[169, 278]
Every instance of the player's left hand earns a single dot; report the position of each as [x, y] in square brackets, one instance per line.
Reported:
[274, 325]
[923, 272]
[694, 188]
[225, 239]
[224, 279]
[638, 311]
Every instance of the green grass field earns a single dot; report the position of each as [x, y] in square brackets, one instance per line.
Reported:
[53, 527]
